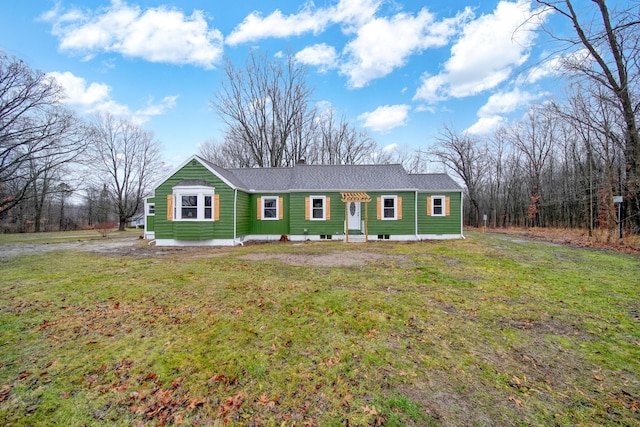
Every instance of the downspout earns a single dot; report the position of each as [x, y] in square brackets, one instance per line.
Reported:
[462, 215]
[235, 216]
[416, 216]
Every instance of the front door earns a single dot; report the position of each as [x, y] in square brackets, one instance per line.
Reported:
[353, 220]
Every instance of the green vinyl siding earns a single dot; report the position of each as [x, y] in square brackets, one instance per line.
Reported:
[404, 226]
[297, 210]
[151, 222]
[243, 222]
[269, 227]
[194, 230]
[440, 224]
[335, 225]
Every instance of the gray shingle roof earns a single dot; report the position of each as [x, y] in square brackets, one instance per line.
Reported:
[434, 181]
[264, 179]
[224, 173]
[351, 178]
[333, 178]
[326, 178]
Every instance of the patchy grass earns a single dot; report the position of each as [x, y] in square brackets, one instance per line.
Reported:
[64, 236]
[492, 330]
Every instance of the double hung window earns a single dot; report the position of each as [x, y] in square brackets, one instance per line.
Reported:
[437, 206]
[318, 208]
[389, 207]
[269, 208]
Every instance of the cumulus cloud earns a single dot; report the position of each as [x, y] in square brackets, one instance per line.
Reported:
[385, 118]
[348, 13]
[159, 34]
[319, 55]
[256, 27]
[493, 113]
[555, 65]
[486, 53]
[88, 98]
[485, 125]
[383, 44]
[506, 102]
[378, 46]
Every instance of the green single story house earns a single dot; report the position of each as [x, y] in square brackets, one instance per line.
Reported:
[200, 203]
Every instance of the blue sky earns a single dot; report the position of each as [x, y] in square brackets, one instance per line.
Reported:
[399, 69]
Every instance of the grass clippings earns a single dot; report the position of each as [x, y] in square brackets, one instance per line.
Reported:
[490, 330]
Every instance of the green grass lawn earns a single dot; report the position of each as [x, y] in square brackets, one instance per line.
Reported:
[485, 331]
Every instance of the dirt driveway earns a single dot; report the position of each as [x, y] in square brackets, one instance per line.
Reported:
[135, 247]
[108, 246]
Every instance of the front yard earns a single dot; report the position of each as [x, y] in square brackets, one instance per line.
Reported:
[492, 330]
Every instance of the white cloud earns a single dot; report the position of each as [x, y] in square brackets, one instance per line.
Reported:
[154, 109]
[349, 13]
[488, 50]
[352, 14]
[256, 27]
[492, 114]
[380, 45]
[506, 102]
[385, 118]
[320, 55]
[383, 44]
[96, 98]
[485, 125]
[549, 68]
[390, 148]
[556, 65]
[155, 34]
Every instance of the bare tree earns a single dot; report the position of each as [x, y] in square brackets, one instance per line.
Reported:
[36, 132]
[535, 136]
[337, 142]
[611, 39]
[265, 105]
[232, 153]
[466, 157]
[127, 158]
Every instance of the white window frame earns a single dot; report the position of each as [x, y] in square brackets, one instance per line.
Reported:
[200, 192]
[443, 211]
[151, 209]
[277, 208]
[395, 208]
[324, 208]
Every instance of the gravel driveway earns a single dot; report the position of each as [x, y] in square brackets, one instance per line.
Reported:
[108, 246]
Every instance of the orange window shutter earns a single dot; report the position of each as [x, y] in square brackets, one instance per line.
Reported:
[379, 208]
[280, 207]
[170, 207]
[328, 209]
[307, 203]
[428, 206]
[259, 208]
[399, 207]
[447, 204]
[216, 207]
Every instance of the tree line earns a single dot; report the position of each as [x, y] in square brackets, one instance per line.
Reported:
[572, 161]
[565, 163]
[50, 157]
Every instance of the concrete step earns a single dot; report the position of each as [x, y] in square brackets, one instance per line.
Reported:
[357, 238]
